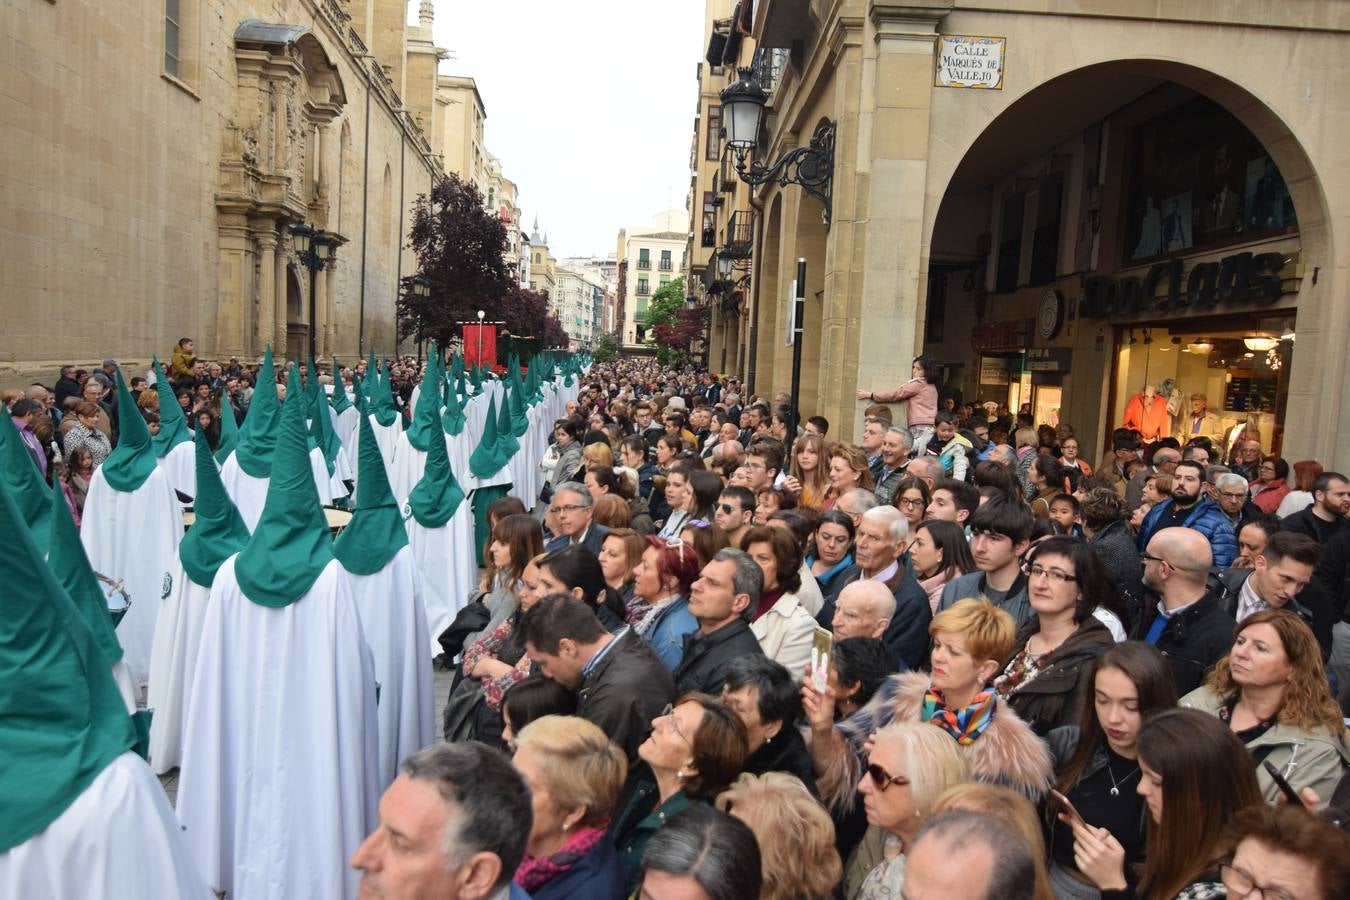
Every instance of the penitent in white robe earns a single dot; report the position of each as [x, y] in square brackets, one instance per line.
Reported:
[408, 467]
[133, 538]
[180, 466]
[447, 560]
[395, 623]
[279, 780]
[178, 633]
[118, 841]
[250, 494]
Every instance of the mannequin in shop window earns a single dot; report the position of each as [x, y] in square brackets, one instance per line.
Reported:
[1146, 413]
[1201, 422]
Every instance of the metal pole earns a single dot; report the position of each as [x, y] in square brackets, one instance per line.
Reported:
[313, 279]
[799, 313]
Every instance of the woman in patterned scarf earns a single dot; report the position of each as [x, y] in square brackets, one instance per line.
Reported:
[970, 642]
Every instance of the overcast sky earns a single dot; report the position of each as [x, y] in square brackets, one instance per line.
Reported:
[590, 106]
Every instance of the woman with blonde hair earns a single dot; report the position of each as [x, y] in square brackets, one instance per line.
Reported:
[575, 774]
[1272, 691]
[620, 552]
[807, 478]
[1008, 807]
[910, 765]
[597, 456]
[795, 835]
[847, 470]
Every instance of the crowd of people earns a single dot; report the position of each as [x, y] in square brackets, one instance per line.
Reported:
[725, 653]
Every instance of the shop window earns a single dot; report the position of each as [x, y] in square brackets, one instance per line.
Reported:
[1010, 243]
[1199, 178]
[1045, 239]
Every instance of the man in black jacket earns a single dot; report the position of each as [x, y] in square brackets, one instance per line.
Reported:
[1333, 576]
[1282, 578]
[621, 683]
[1326, 517]
[1186, 624]
[727, 589]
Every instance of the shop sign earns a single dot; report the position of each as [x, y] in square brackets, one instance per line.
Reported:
[1048, 359]
[1001, 335]
[994, 370]
[1166, 287]
[970, 61]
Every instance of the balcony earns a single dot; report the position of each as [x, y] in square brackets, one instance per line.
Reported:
[726, 177]
[767, 67]
[644, 262]
[643, 289]
[741, 233]
[666, 265]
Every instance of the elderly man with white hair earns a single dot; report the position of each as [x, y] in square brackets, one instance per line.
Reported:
[864, 609]
[1231, 493]
[879, 550]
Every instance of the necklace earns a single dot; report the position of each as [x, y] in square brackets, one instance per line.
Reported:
[1115, 785]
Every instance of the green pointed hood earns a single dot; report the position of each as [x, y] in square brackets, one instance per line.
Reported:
[338, 399]
[456, 365]
[376, 531]
[132, 461]
[358, 392]
[320, 425]
[291, 545]
[520, 419]
[506, 429]
[62, 718]
[219, 531]
[258, 437]
[426, 423]
[382, 399]
[463, 386]
[20, 474]
[453, 419]
[229, 432]
[70, 565]
[487, 459]
[173, 426]
[476, 376]
[436, 497]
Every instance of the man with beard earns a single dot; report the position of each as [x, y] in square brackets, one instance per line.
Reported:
[1189, 508]
[1326, 516]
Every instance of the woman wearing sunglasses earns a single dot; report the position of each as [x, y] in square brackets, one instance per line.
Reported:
[911, 764]
[696, 749]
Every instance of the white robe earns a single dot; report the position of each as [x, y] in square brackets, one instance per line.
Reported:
[180, 466]
[117, 841]
[279, 781]
[395, 622]
[250, 494]
[178, 634]
[348, 424]
[447, 559]
[133, 538]
[408, 467]
[126, 685]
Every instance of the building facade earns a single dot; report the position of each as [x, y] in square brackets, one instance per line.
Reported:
[578, 303]
[648, 256]
[543, 276]
[1063, 206]
[459, 137]
[155, 169]
[604, 271]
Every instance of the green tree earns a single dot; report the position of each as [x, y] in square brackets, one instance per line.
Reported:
[607, 347]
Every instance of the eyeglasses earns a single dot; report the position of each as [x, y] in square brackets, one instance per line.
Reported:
[1240, 884]
[1147, 557]
[669, 713]
[883, 779]
[1058, 576]
[571, 507]
[909, 503]
[728, 508]
[1234, 495]
[754, 465]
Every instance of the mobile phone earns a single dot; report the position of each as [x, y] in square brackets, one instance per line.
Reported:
[1069, 809]
[1285, 787]
[822, 647]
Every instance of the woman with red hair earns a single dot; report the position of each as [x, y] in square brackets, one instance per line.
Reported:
[659, 610]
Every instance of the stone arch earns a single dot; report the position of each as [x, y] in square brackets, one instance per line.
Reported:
[297, 328]
[1059, 103]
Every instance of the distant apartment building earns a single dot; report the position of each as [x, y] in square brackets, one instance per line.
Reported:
[648, 257]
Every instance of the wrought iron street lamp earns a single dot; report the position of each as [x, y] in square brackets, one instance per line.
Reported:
[314, 248]
[811, 167]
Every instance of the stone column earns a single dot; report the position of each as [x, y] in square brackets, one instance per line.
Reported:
[266, 237]
[320, 323]
[330, 311]
[233, 282]
[279, 280]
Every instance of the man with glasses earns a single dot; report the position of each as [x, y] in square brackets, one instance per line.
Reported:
[874, 429]
[1000, 535]
[1230, 491]
[1189, 508]
[572, 508]
[721, 600]
[762, 465]
[734, 513]
[1186, 624]
[890, 466]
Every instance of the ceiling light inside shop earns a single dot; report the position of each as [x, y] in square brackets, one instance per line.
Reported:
[1260, 343]
[1201, 346]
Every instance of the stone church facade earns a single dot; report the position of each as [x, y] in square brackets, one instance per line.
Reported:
[156, 156]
